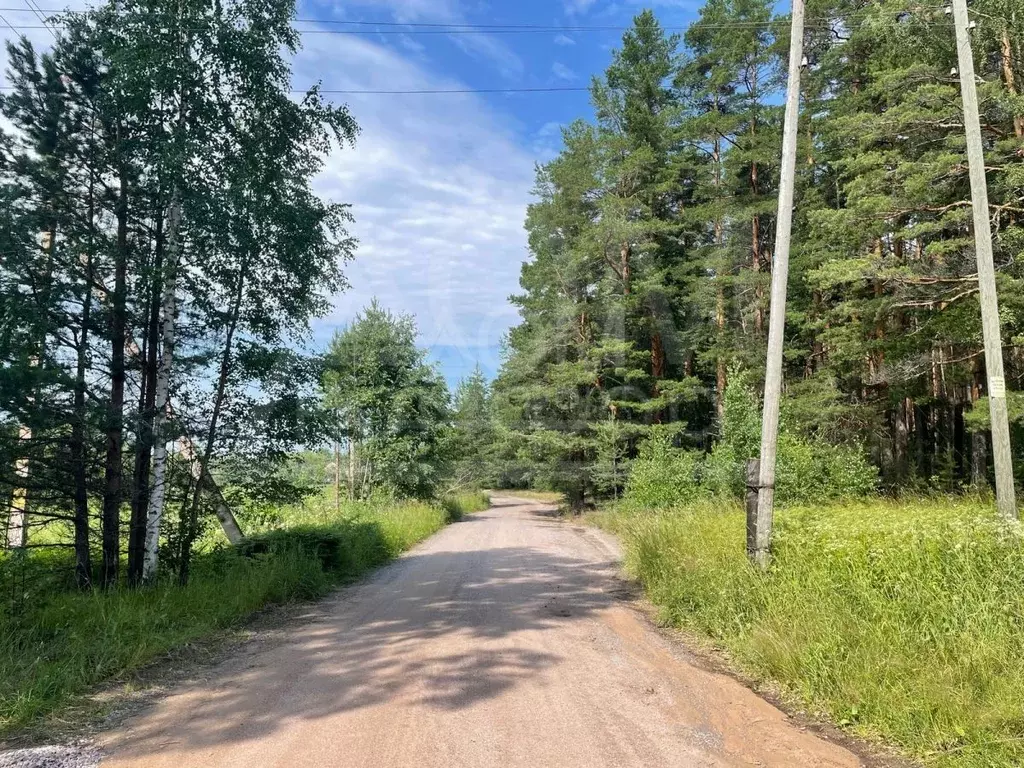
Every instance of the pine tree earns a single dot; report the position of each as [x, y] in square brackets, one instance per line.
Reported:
[474, 432]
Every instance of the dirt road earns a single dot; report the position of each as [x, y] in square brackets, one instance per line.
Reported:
[505, 640]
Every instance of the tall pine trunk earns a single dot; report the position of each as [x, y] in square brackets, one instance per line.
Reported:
[979, 440]
[720, 365]
[755, 224]
[1006, 59]
[83, 556]
[113, 491]
[79, 459]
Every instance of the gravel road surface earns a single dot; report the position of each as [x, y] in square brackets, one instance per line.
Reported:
[506, 640]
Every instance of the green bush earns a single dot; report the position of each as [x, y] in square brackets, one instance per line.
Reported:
[814, 471]
[71, 641]
[806, 470]
[897, 620]
[663, 475]
[345, 549]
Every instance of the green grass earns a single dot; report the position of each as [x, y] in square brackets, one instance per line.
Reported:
[65, 642]
[898, 621]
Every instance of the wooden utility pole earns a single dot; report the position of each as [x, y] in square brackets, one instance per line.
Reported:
[1005, 494]
[752, 479]
[780, 276]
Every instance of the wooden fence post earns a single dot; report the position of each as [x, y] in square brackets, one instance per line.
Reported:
[753, 481]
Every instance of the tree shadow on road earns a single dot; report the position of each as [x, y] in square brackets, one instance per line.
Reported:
[425, 630]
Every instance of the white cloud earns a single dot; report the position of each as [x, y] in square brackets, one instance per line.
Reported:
[573, 7]
[411, 45]
[562, 72]
[549, 130]
[615, 7]
[438, 184]
[547, 141]
[439, 189]
[478, 45]
[561, 39]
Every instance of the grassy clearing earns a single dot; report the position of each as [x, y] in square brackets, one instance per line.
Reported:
[903, 621]
[67, 642]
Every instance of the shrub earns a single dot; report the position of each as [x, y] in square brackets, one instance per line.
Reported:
[461, 504]
[806, 470]
[662, 474]
[345, 549]
[813, 471]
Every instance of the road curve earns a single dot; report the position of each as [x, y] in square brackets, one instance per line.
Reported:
[505, 640]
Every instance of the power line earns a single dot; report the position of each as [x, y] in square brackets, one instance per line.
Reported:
[456, 90]
[820, 23]
[455, 28]
[545, 27]
[35, 10]
[416, 91]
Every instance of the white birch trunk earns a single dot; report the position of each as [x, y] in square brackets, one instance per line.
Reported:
[351, 469]
[17, 521]
[155, 511]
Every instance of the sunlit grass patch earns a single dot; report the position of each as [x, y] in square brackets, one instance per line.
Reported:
[898, 620]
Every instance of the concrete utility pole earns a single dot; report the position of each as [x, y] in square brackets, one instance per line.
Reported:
[1005, 493]
[762, 537]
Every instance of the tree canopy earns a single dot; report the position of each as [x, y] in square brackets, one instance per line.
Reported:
[161, 250]
[651, 240]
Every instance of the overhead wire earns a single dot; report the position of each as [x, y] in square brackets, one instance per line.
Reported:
[418, 91]
[35, 10]
[440, 28]
[455, 28]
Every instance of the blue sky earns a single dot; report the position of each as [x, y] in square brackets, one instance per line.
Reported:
[439, 184]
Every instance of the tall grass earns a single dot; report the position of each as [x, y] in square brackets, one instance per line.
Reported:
[63, 643]
[903, 621]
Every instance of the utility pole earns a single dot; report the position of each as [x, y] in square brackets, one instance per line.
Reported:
[1005, 493]
[762, 537]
